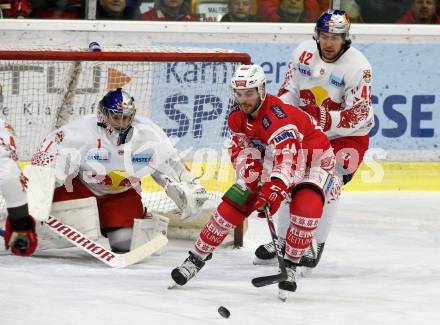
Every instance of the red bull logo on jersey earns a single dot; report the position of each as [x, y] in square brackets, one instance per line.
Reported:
[319, 97]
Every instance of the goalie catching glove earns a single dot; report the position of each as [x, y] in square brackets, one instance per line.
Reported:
[20, 235]
[189, 198]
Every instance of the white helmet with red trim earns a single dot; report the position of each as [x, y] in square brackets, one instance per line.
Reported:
[250, 76]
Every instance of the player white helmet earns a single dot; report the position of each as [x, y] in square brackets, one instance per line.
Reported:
[250, 76]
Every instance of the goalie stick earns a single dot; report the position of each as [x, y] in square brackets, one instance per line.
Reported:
[98, 251]
[282, 276]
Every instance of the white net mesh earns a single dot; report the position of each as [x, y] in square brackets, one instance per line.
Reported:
[188, 99]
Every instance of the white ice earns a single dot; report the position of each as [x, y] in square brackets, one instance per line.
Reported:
[381, 265]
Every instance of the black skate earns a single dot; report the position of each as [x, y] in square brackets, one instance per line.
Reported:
[312, 255]
[266, 254]
[189, 268]
[288, 285]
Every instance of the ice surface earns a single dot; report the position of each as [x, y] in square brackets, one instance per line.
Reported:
[381, 265]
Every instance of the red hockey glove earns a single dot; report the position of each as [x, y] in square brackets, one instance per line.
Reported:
[320, 115]
[272, 193]
[20, 236]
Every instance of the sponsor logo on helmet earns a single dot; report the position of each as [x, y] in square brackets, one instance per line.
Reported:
[278, 111]
[240, 83]
[266, 122]
[366, 75]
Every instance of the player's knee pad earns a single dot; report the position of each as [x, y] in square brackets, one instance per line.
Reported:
[306, 210]
[307, 201]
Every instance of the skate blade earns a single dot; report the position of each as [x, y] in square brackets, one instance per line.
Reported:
[305, 272]
[173, 285]
[282, 295]
[258, 261]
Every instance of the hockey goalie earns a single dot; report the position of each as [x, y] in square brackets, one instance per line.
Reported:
[99, 162]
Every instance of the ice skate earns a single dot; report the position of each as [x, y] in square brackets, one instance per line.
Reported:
[189, 268]
[266, 254]
[288, 285]
[311, 258]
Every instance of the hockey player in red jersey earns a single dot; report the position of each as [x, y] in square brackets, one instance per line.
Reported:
[19, 234]
[267, 132]
[332, 82]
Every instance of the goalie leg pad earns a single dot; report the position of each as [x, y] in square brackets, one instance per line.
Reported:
[41, 186]
[145, 230]
[81, 214]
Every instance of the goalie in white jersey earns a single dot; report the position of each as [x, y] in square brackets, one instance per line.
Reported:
[105, 157]
[332, 82]
[19, 234]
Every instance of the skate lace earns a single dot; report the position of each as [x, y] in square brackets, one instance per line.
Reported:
[188, 269]
[270, 247]
[291, 274]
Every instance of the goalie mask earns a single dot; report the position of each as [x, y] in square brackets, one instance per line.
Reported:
[116, 111]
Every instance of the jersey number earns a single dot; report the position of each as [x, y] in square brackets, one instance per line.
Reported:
[366, 93]
[305, 57]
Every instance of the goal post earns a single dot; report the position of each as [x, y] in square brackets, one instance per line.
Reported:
[185, 91]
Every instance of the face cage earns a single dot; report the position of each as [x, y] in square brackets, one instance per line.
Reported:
[106, 115]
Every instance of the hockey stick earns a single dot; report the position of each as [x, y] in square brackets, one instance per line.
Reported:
[101, 253]
[282, 276]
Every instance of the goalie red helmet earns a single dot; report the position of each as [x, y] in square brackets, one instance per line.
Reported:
[250, 76]
[116, 110]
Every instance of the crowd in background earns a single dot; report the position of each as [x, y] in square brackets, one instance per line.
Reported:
[360, 11]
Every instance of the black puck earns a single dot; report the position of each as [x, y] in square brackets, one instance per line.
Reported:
[224, 312]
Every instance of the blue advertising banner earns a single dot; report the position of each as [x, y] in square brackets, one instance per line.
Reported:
[406, 88]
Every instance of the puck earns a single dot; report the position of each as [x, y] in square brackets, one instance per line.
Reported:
[224, 312]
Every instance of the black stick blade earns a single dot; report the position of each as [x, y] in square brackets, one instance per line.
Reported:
[263, 281]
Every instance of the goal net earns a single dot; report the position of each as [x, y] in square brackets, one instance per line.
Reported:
[184, 91]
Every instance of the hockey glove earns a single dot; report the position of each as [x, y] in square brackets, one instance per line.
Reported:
[272, 193]
[320, 115]
[20, 236]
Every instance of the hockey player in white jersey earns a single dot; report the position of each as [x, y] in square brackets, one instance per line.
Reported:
[332, 82]
[19, 234]
[106, 156]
